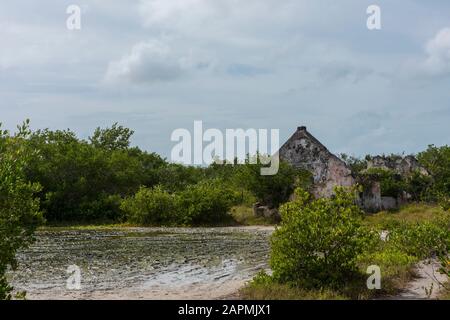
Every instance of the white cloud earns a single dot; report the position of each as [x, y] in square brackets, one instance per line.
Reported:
[438, 50]
[148, 62]
[230, 62]
[163, 11]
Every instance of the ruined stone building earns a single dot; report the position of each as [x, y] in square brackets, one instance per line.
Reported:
[303, 151]
[372, 199]
[403, 166]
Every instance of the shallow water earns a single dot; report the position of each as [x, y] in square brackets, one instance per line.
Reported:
[142, 263]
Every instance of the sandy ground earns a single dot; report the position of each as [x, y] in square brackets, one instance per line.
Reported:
[427, 285]
[111, 277]
[226, 291]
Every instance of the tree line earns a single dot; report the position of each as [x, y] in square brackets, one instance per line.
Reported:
[55, 177]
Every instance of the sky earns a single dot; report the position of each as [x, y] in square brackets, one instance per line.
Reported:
[158, 65]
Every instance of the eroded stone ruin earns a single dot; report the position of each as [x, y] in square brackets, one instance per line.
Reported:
[302, 150]
[401, 165]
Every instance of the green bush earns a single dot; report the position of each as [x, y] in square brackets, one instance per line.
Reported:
[106, 208]
[151, 206]
[82, 181]
[444, 202]
[437, 161]
[19, 207]
[391, 184]
[208, 202]
[422, 239]
[319, 241]
[418, 186]
[271, 190]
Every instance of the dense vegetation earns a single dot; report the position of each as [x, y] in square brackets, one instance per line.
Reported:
[58, 178]
[19, 208]
[103, 179]
[323, 247]
[205, 203]
[431, 188]
[319, 240]
[327, 258]
[437, 162]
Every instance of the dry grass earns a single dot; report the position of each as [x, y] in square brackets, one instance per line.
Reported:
[275, 291]
[86, 226]
[445, 295]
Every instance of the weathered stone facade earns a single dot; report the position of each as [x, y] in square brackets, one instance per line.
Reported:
[372, 199]
[403, 166]
[304, 151]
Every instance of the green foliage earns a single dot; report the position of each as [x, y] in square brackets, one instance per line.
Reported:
[437, 161]
[319, 241]
[245, 216]
[418, 186]
[396, 267]
[151, 206]
[272, 190]
[19, 208]
[444, 201]
[207, 202]
[422, 240]
[83, 181]
[264, 287]
[357, 165]
[176, 177]
[416, 232]
[411, 213]
[391, 184]
[114, 138]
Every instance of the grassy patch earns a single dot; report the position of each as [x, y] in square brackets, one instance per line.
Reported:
[86, 226]
[277, 291]
[416, 212]
[397, 268]
[243, 215]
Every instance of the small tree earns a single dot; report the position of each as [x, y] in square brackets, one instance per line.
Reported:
[19, 208]
[151, 206]
[271, 190]
[114, 138]
[319, 240]
[437, 161]
[207, 202]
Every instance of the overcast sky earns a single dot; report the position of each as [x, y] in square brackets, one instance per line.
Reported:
[158, 65]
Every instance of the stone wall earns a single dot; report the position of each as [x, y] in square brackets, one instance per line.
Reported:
[403, 166]
[304, 151]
